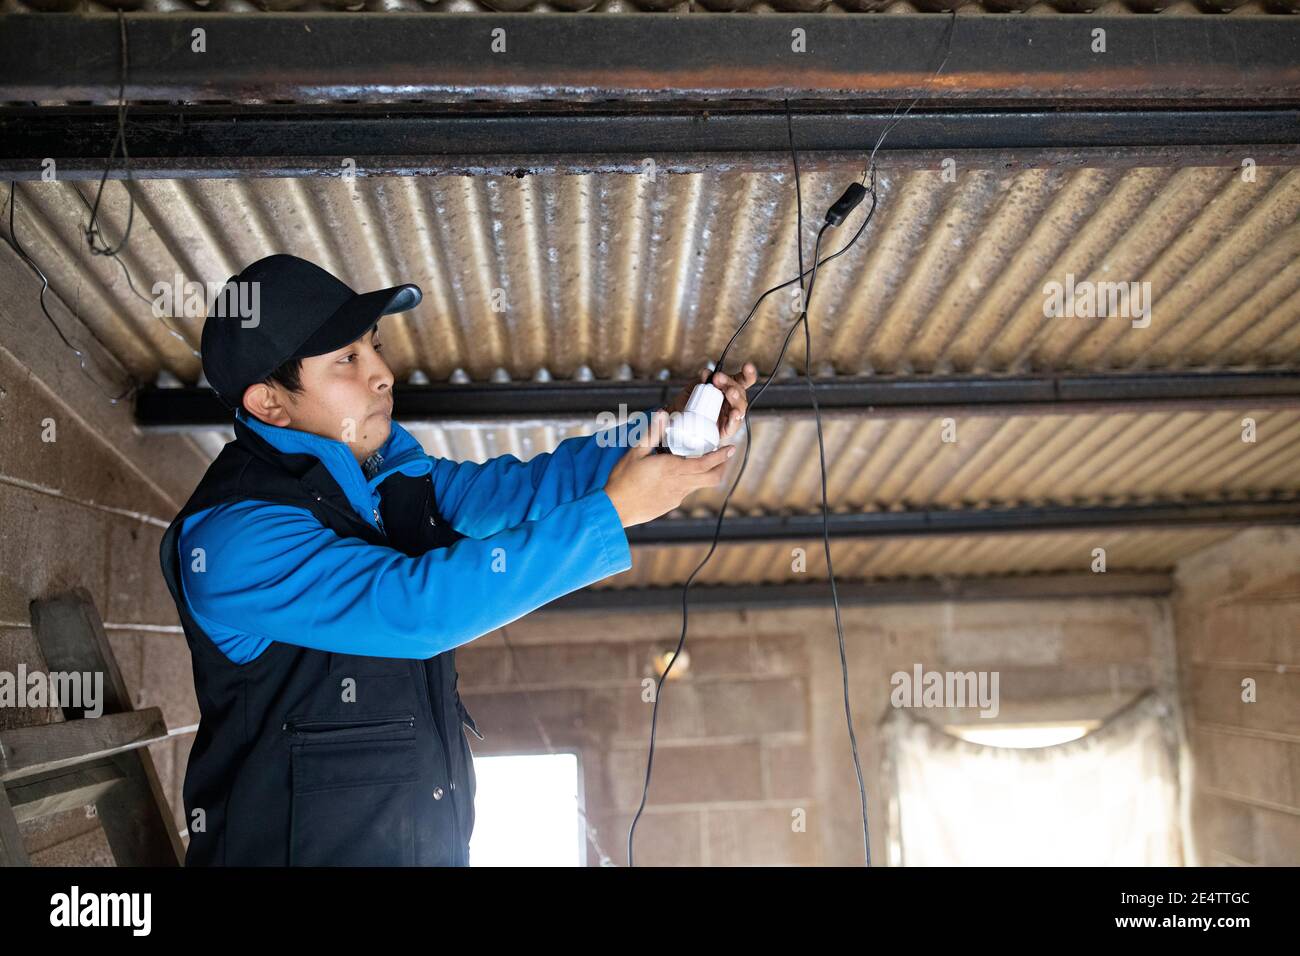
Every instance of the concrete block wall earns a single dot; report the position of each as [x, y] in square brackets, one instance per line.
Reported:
[754, 732]
[86, 510]
[1237, 608]
[732, 743]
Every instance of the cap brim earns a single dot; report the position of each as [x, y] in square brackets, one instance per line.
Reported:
[356, 316]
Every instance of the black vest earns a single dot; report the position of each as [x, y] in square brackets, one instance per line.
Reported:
[284, 770]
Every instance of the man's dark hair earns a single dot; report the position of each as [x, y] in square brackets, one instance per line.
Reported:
[287, 375]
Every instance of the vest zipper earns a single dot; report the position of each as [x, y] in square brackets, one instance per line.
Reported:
[306, 728]
[350, 514]
[446, 752]
[428, 694]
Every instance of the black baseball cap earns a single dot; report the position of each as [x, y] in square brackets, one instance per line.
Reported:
[281, 308]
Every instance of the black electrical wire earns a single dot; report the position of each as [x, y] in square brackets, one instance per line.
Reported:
[13, 240]
[749, 440]
[92, 231]
[821, 262]
[869, 169]
[895, 117]
[821, 451]
[130, 283]
[826, 541]
[717, 532]
[834, 217]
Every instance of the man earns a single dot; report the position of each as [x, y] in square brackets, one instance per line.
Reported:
[326, 568]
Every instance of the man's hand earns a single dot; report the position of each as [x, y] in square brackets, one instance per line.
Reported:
[643, 486]
[735, 403]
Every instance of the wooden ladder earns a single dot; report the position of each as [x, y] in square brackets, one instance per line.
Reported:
[87, 760]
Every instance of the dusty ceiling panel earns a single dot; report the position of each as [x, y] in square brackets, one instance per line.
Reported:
[1080, 460]
[618, 272]
[958, 556]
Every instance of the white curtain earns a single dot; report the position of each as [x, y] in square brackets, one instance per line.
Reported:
[1109, 798]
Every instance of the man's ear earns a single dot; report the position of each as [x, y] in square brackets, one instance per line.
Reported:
[265, 403]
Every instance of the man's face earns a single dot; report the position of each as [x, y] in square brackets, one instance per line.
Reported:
[347, 395]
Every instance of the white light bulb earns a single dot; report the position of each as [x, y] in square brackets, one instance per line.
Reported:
[694, 432]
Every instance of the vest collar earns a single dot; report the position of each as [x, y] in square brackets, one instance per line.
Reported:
[400, 452]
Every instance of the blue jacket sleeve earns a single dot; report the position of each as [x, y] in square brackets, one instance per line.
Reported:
[480, 500]
[274, 573]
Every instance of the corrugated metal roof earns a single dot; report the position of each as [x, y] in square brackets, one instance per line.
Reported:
[882, 464]
[1086, 459]
[875, 464]
[956, 556]
[1022, 460]
[600, 271]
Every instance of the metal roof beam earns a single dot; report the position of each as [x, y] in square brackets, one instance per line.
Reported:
[994, 58]
[1037, 519]
[721, 597]
[243, 141]
[444, 404]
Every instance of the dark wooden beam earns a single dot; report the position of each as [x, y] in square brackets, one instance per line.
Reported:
[180, 409]
[183, 142]
[739, 596]
[862, 59]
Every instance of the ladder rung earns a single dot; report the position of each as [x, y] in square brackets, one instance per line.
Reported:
[66, 789]
[31, 750]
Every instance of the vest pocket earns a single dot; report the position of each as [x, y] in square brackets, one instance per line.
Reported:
[336, 728]
[354, 791]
